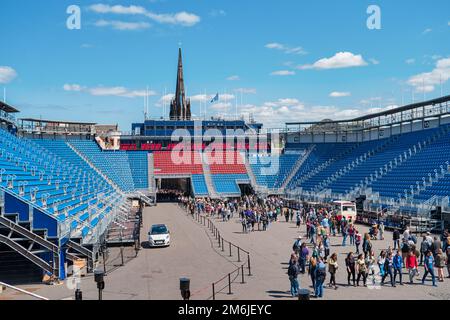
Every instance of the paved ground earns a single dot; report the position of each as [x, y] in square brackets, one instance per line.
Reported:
[271, 250]
[195, 253]
[155, 273]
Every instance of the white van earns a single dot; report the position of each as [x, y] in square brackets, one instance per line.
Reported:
[346, 209]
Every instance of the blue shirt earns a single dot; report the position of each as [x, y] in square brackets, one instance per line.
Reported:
[429, 262]
[398, 262]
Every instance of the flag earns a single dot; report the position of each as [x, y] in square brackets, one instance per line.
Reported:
[215, 99]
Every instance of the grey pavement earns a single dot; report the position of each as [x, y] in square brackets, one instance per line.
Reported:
[195, 254]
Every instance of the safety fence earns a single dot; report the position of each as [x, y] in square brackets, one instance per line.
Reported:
[225, 284]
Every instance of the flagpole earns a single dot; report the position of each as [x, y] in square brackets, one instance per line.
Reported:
[423, 89]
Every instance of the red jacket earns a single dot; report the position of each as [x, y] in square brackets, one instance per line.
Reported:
[411, 262]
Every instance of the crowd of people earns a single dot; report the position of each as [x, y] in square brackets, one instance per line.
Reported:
[311, 252]
[362, 265]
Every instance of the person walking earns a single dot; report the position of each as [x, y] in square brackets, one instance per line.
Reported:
[429, 268]
[388, 265]
[361, 269]
[321, 274]
[367, 244]
[293, 275]
[448, 261]
[440, 264]
[381, 262]
[312, 270]
[332, 269]
[326, 246]
[437, 245]
[398, 267]
[351, 268]
[424, 248]
[381, 230]
[396, 239]
[370, 263]
[298, 220]
[344, 234]
[412, 266]
[303, 257]
[351, 234]
[358, 238]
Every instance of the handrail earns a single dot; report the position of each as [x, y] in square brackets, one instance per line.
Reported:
[207, 222]
[23, 291]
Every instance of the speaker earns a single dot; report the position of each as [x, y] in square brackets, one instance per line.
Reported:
[99, 276]
[185, 284]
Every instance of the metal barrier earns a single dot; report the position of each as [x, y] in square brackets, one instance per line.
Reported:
[231, 249]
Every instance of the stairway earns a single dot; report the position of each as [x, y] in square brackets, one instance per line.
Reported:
[151, 174]
[250, 173]
[104, 176]
[297, 167]
[208, 178]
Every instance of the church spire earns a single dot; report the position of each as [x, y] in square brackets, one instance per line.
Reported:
[180, 108]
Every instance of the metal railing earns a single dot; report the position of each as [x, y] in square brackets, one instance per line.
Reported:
[231, 249]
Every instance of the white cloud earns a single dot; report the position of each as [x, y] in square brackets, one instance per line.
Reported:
[427, 81]
[180, 18]
[428, 30]
[374, 61]
[246, 90]
[339, 60]
[336, 94]
[165, 99]
[286, 49]
[410, 61]
[7, 74]
[283, 73]
[274, 114]
[122, 25]
[72, 87]
[108, 91]
[234, 78]
[117, 9]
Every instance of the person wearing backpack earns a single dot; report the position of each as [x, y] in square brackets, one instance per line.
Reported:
[405, 250]
[321, 274]
[297, 245]
[293, 275]
[424, 248]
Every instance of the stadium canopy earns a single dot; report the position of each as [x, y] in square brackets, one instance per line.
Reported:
[7, 108]
[58, 122]
[413, 106]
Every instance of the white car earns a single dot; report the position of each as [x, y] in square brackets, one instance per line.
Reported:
[159, 236]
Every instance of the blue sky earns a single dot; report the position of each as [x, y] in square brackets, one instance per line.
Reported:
[292, 59]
